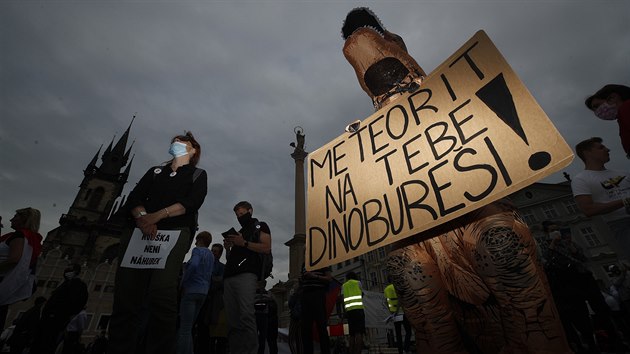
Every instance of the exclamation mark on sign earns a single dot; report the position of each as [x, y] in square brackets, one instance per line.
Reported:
[498, 98]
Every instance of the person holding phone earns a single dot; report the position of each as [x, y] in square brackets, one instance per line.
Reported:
[241, 275]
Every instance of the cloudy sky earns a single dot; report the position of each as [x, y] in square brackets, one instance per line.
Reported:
[242, 74]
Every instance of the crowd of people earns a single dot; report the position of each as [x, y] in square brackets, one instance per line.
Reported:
[206, 306]
[157, 308]
[50, 322]
[145, 310]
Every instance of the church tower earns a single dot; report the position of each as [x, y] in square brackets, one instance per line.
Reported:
[84, 234]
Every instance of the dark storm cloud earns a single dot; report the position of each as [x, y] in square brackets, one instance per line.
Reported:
[242, 75]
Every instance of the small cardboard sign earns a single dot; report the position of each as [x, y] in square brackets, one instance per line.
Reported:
[144, 253]
[471, 134]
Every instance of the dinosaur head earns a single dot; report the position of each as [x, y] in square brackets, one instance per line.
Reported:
[379, 57]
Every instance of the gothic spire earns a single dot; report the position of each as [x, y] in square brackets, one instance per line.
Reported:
[109, 149]
[128, 169]
[126, 157]
[122, 142]
[91, 167]
[115, 158]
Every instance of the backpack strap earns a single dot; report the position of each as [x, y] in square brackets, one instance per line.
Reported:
[256, 238]
[197, 173]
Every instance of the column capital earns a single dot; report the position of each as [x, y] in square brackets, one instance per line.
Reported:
[299, 154]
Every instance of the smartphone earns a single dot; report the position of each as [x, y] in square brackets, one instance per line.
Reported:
[229, 232]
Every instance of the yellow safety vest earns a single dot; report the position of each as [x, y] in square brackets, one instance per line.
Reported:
[392, 299]
[352, 298]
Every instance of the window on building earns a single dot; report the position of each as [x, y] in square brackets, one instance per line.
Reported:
[109, 289]
[590, 236]
[339, 265]
[103, 322]
[348, 262]
[370, 256]
[529, 217]
[373, 280]
[571, 207]
[98, 287]
[381, 253]
[549, 211]
[96, 197]
[356, 259]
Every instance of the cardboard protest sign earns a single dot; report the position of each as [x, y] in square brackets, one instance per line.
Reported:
[470, 135]
[144, 253]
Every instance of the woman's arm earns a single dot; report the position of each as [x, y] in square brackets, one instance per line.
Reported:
[194, 199]
[153, 218]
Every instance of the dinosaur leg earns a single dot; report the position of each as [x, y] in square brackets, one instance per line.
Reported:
[422, 293]
[505, 258]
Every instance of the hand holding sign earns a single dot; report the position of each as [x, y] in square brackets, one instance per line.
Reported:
[147, 225]
[149, 252]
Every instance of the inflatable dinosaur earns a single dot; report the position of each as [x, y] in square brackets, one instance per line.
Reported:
[473, 284]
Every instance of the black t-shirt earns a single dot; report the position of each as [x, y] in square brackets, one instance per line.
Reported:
[160, 188]
[243, 260]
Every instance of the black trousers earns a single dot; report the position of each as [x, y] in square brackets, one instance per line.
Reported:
[314, 312]
[398, 327]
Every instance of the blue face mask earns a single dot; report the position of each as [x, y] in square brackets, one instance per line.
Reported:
[178, 149]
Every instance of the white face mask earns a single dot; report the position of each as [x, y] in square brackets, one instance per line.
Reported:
[178, 149]
[606, 111]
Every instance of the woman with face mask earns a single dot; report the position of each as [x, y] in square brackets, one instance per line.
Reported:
[164, 202]
[612, 102]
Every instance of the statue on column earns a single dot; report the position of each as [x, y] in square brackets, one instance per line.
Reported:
[299, 137]
[473, 284]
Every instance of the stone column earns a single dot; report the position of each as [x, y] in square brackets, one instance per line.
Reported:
[297, 243]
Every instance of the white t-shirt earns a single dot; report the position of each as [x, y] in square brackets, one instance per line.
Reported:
[603, 186]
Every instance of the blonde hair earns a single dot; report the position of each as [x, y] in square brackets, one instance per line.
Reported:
[205, 237]
[32, 218]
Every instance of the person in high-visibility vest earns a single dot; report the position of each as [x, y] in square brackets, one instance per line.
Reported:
[353, 307]
[399, 318]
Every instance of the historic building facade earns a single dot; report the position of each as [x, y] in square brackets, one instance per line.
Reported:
[541, 201]
[86, 237]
